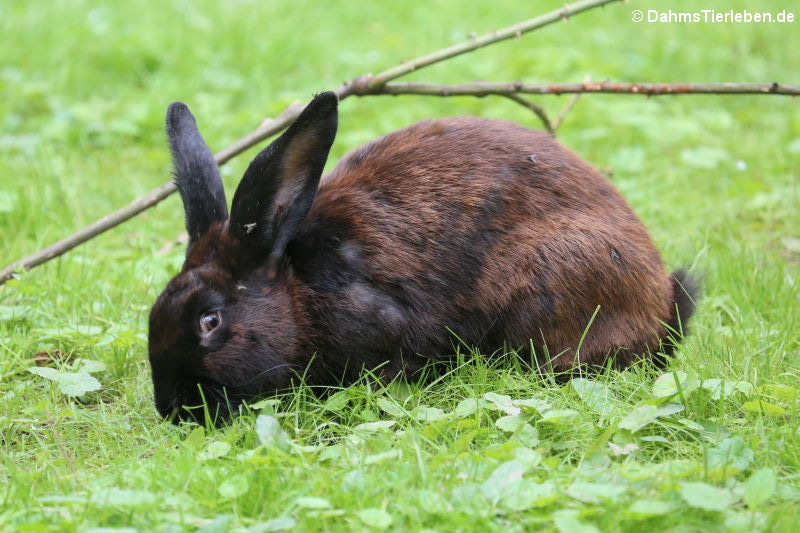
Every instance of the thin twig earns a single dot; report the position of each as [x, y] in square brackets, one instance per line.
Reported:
[484, 88]
[358, 86]
[565, 111]
[538, 111]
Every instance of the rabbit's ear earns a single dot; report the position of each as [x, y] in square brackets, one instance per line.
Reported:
[196, 172]
[278, 187]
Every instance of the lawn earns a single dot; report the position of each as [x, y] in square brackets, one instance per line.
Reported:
[710, 444]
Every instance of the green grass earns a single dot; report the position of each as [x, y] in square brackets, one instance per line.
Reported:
[83, 90]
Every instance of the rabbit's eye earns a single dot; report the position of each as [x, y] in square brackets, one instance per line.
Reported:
[209, 322]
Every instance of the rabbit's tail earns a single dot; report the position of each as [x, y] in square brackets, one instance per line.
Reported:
[685, 291]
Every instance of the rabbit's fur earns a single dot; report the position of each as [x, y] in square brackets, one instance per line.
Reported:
[461, 227]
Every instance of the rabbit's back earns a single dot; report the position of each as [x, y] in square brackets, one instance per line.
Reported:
[485, 228]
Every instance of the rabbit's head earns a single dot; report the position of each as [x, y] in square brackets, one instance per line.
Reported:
[229, 325]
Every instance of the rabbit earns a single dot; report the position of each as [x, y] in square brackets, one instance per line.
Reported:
[459, 228]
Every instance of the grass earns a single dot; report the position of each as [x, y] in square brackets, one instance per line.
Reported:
[83, 89]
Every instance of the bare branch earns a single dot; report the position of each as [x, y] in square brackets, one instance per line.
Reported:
[484, 88]
[538, 111]
[95, 228]
[565, 111]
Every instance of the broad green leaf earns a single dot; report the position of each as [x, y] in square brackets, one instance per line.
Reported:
[276, 524]
[566, 521]
[589, 492]
[233, 487]
[337, 401]
[596, 396]
[665, 385]
[70, 383]
[331, 452]
[525, 494]
[390, 407]
[761, 407]
[115, 497]
[270, 433]
[527, 457]
[433, 502]
[353, 480]
[221, 524]
[46, 372]
[510, 423]
[372, 427]
[648, 508]
[268, 403]
[376, 518]
[252, 454]
[780, 392]
[594, 464]
[88, 366]
[654, 438]
[428, 414]
[196, 437]
[559, 416]
[729, 458]
[691, 424]
[77, 383]
[468, 498]
[760, 487]
[538, 405]
[723, 389]
[745, 521]
[502, 477]
[214, 450]
[704, 496]
[469, 406]
[528, 436]
[669, 409]
[622, 450]
[502, 403]
[639, 418]
[309, 502]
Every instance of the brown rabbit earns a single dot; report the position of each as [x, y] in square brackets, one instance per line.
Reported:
[463, 226]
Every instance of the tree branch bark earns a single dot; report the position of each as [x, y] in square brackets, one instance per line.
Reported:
[486, 88]
[537, 110]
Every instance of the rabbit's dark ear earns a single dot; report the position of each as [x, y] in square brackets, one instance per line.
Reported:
[278, 187]
[196, 172]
